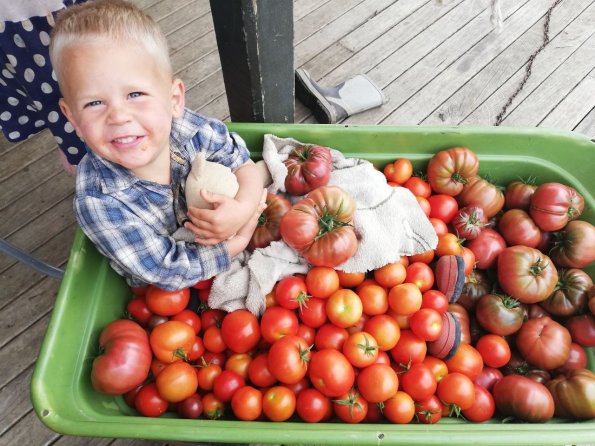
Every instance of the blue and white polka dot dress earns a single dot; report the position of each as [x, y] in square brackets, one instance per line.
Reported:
[29, 91]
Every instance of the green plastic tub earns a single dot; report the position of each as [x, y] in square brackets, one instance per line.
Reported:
[92, 295]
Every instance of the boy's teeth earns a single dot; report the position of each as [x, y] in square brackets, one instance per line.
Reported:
[125, 140]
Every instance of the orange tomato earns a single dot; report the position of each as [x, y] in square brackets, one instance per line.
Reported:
[448, 244]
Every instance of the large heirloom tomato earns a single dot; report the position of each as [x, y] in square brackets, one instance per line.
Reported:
[570, 295]
[487, 246]
[449, 170]
[544, 343]
[574, 394]
[500, 315]
[267, 230]
[574, 246]
[480, 192]
[553, 205]
[469, 221]
[319, 227]
[518, 194]
[523, 399]
[126, 358]
[308, 167]
[518, 228]
[526, 274]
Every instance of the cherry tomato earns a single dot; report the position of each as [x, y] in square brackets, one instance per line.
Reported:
[291, 292]
[350, 280]
[385, 330]
[494, 350]
[313, 314]
[435, 299]
[374, 299]
[137, 308]
[418, 381]
[344, 308]
[176, 382]
[240, 331]
[322, 281]
[213, 408]
[246, 403]
[361, 349]
[399, 171]
[483, 406]
[443, 207]
[166, 303]
[206, 374]
[331, 373]
[191, 407]
[410, 349]
[226, 384]
[456, 389]
[350, 407]
[418, 187]
[149, 403]
[188, 317]
[421, 275]
[399, 408]
[330, 336]
[278, 403]
[466, 360]
[172, 340]
[391, 274]
[426, 323]
[405, 299]
[288, 359]
[239, 363]
[312, 406]
[429, 411]
[277, 322]
[448, 244]
[259, 373]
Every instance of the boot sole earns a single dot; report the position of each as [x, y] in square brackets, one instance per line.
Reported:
[311, 98]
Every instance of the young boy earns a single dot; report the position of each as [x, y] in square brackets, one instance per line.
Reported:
[119, 94]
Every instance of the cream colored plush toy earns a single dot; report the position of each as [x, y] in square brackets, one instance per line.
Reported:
[213, 177]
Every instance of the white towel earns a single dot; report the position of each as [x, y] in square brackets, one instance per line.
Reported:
[388, 222]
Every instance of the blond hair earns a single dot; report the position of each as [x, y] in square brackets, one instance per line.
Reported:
[115, 20]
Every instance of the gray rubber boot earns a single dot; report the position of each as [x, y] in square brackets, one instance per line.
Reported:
[333, 104]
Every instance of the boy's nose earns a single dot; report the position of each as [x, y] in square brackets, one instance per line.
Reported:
[118, 114]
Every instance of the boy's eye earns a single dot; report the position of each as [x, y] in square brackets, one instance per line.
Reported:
[135, 94]
[92, 104]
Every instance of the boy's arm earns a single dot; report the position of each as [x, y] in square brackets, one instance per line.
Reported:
[230, 214]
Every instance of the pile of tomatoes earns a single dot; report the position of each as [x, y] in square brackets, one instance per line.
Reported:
[355, 347]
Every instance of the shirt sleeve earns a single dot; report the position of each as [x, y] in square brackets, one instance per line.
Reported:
[141, 254]
[220, 145]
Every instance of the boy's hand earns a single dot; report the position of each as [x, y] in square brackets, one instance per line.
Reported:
[238, 243]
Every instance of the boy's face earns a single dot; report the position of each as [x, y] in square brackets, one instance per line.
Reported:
[121, 103]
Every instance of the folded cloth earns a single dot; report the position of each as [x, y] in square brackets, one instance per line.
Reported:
[388, 222]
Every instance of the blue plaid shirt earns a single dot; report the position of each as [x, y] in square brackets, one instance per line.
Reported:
[130, 220]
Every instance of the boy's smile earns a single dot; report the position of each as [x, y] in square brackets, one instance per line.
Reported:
[122, 104]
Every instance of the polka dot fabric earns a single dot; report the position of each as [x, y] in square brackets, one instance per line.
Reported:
[29, 92]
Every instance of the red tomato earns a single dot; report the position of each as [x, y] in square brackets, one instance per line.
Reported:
[322, 281]
[450, 169]
[176, 382]
[361, 349]
[398, 171]
[437, 367]
[277, 322]
[435, 300]
[240, 331]
[239, 363]
[149, 403]
[374, 299]
[518, 228]
[313, 314]
[448, 244]
[577, 359]
[494, 350]
[487, 246]
[377, 382]
[137, 308]
[344, 308]
[331, 373]
[419, 382]
[278, 403]
[267, 229]
[350, 280]
[259, 373]
[391, 274]
[480, 192]
[483, 406]
[188, 317]
[418, 187]
[307, 333]
[523, 399]
[166, 303]
[421, 275]
[469, 221]
[518, 194]
[526, 274]
[246, 403]
[330, 336]
[288, 359]
[385, 330]
[206, 374]
[468, 259]
[424, 257]
[410, 349]
[488, 377]
[439, 226]
[197, 350]
[467, 360]
[429, 411]
[312, 406]
[456, 389]
[500, 315]
[213, 340]
[126, 358]
[212, 317]
[426, 323]
[553, 205]
[291, 292]
[226, 384]
[443, 207]
[308, 167]
[350, 407]
[575, 245]
[405, 299]
[425, 205]
[204, 284]
[213, 408]
[399, 408]
[544, 343]
[582, 329]
[139, 291]
[191, 407]
[319, 227]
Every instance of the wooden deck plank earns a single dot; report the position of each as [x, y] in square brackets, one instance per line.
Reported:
[24, 156]
[573, 108]
[483, 96]
[587, 125]
[31, 432]
[444, 70]
[14, 402]
[323, 16]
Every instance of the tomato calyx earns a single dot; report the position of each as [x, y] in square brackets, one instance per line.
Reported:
[180, 353]
[367, 347]
[262, 220]
[351, 401]
[454, 411]
[302, 300]
[538, 267]
[305, 353]
[214, 414]
[509, 301]
[328, 223]
[302, 153]
[458, 178]
[380, 406]
[404, 367]
[427, 414]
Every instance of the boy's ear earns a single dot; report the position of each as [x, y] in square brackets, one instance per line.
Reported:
[66, 110]
[178, 97]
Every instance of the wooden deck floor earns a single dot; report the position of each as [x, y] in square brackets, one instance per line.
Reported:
[439, 64]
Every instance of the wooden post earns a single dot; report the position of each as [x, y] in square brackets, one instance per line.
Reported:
[255, 41]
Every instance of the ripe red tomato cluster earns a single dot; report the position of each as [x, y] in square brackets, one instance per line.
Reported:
[356, 347]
